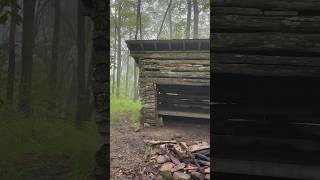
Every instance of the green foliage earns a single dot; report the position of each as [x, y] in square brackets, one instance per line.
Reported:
[148, 151]
[120, 106]
[36, 141]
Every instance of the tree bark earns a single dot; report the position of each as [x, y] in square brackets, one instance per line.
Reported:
[170, 22]
[12, 53]
[138, 20]
[80, 68]
[27, 56]
[195, 19]
[115, 55]
[54, 59]
[119, 51]
[188, 19]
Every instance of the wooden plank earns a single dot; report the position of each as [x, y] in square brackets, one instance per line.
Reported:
[236, 10]
[267, 70]
[184, 114]
[271, 129]
[237, 23]
[267, 43]
[185, 90]
[175, 62]
[264, 60]
[177, 68]
[181, 81]
[295, 5]
[170, 74]
[172, 55]
[282, 170]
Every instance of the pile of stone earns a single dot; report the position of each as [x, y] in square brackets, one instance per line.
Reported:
[180, 160]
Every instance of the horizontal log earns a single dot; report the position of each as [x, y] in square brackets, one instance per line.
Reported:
[191, 75]
[174, 62]
[184, 114]
[185, 90]
[267, 70]
[181, 81]
[267, 43]
[177, 68]
[277, 130]
[172, 55]
[264, 60]
[236, 10]
[236, 23]
[242, 110]
[295, 5]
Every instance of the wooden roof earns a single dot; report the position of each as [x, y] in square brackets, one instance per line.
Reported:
[168, 45]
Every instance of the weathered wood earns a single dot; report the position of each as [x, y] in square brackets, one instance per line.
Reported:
[236, 23]
[267, 43]
[170, 74]
[267, 60]
[184, 114]
[172, 55]
[295, 5]
[175, 62]
[267, 70]
[177, 68]
[236, 10]
[180, 81]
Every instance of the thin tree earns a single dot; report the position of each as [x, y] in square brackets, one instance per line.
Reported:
[188, 27]
[80, 68]
[54, 58]
[164, 17]
[119, 50]
[27, 56]
[195, 19]
[115, 55]
[12, 54]
[135, 68]
[170, 22]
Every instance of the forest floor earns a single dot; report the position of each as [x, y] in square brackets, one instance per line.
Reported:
[128, 150]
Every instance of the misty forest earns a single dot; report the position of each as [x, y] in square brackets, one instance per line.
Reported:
[47, 126]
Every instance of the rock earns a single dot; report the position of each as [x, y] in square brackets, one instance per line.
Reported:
[199, 146]
[197, 176]
[178, 167]
[207, 177]
[207, 170]
[137, 130]
[165, 170]
[147, 125]
[181, 176]
[162, 159]
[182, 153]
[174, 159]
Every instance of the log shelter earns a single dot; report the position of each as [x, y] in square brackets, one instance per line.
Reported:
[266, 93]
[174, 78]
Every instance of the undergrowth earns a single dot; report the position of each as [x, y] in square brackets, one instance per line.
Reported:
[36, 145]
[119, 106]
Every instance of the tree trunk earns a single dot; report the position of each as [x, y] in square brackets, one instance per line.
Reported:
[188, 19]
[195, 19]
[164, 17]
[135, 81]
[138, 20]
[127, 77]
[170, 22]
[12, 53]
[27, 56]
[54, 59]
[80, 69]
[119, 51]
[115, 55]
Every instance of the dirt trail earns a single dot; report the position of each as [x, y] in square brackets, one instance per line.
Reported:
[127, 146]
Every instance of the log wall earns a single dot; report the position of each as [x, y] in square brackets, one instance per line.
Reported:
[265, 61]
[164, 79]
